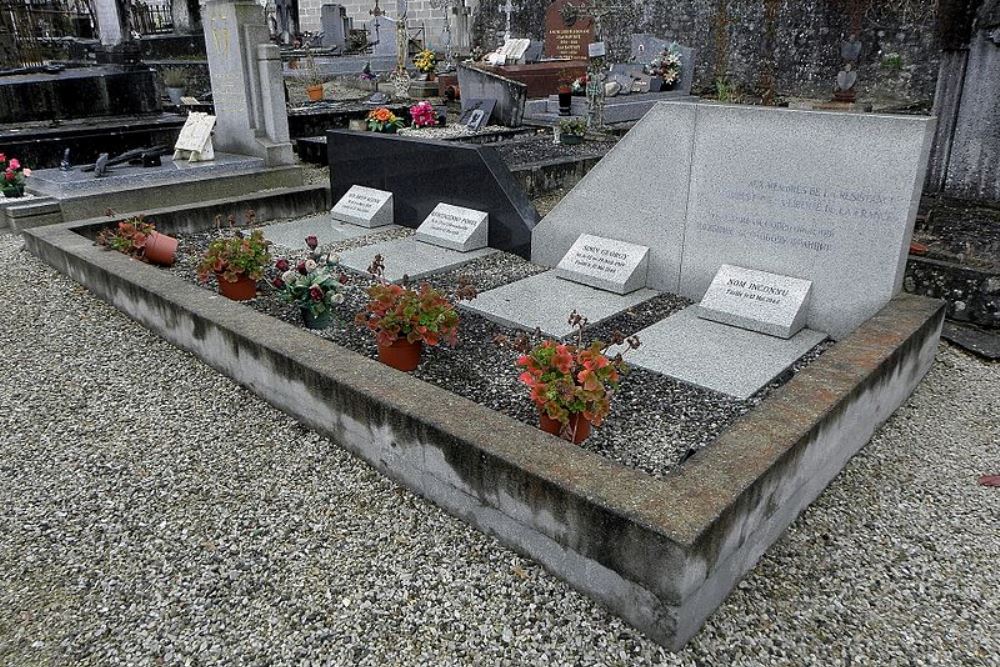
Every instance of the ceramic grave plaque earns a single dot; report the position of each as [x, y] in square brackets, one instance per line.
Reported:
[194, 143]
[757, 300]
[363, 206]
[606, 264]
[455, 227]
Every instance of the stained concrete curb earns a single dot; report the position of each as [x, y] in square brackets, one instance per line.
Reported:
[662, 553]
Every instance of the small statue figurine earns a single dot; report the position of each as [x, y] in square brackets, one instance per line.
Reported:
[64, 164]
[101, 166]
[847, 77]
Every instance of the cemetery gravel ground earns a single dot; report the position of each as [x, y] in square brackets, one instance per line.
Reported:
[155, 513]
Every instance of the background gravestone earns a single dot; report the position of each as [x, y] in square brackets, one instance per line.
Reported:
[568, 31]
[336, 26]
[821, 196]
[383, 29]
[646, 47]
[510, 95]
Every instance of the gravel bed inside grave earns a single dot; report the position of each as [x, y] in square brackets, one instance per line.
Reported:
[655, 422]
[540, 149]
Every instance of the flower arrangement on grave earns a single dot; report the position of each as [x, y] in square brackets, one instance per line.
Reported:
[403, 319]
[571, 384]
[237, 260]
[383, 120]
[139, 239]
[315, 285]
[572, 130]
[425, 61]
[667, 65]
[579, 85]
[423, 114]
[13, 178]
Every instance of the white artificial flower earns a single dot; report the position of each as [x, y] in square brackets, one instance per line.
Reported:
[337, 298]
[289, 277]
[310, 265]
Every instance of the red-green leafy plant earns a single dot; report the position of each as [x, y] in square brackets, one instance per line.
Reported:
[568, 379]
[128, 236]
[423, 314]
[235, 254]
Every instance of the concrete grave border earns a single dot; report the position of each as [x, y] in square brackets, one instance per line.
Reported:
[661, 553]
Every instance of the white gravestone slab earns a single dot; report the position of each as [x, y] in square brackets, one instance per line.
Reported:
[455, 227]
[757, 300]
[194, 143]
[363, 206]
[606, 264]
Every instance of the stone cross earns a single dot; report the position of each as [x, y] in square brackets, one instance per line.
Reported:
[508, 9]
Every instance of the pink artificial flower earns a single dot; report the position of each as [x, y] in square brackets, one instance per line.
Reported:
[312, 242]
[26, 172]
[14, 163]
[3, 157]
[278, 282]
[8, 176]
[281, 265]
[301, 267]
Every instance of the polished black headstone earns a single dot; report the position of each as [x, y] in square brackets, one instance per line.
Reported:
[421, 174]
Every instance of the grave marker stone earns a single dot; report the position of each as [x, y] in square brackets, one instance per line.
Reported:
[823, 196]
[194, 143]
[756, 300]
[455, 227]
[568, 32]
[606, 264]
[477, 114]
[363, 206]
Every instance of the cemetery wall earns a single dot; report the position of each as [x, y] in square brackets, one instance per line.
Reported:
[799, 48]
[419, 12]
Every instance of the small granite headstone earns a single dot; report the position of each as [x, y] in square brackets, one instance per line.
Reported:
[757, 300]
[363, 206]
[606, 264]
[455, 227]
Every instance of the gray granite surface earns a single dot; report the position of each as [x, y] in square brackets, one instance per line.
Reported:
[545, 301]
[292, 234]
[408, 257]
[715, 356]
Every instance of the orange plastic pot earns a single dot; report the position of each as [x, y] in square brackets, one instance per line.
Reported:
[160, 249]
[401, 354]
[243, 289]
[315, 93]
[577, 432]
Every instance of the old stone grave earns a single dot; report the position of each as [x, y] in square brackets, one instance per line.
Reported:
[510, 95]
[568, 31]
[448, 238]
[824, 202]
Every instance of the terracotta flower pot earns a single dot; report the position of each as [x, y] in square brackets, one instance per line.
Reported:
[401, 354]
[579, 427]
[243, 289]
[160, 249]
[315, 321]
[315, 93]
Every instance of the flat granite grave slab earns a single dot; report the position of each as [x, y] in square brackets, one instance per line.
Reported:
[545, 301]
[715, 356]
[60, 184]
[292, 234]
[408, 257]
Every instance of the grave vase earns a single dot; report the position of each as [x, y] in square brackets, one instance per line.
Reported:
[565, 102]
[578, 429]
[160, 249]
[401, 354]
[243, 289]
[315, 93]
[315, 321]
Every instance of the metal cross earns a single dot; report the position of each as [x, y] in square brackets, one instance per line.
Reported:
[596, 70]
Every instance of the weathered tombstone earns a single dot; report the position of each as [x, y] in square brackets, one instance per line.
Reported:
[455, 227]
[382, 32]
[363, 206]
[510, 95]
[534, 52]
[568, 32]
[757, 300]
[476, 113]
[821, 196]
[247, 83]
[647, 47]
[336, 26]
[194, 143]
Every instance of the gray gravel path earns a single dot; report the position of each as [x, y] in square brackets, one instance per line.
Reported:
[153, 513]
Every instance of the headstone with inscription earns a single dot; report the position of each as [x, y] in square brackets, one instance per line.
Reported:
[363, 206]
[568, 31]
[605, 264]
[826, 197]
[194, 143]
[756, 300]
[247, 83]
[455, 227]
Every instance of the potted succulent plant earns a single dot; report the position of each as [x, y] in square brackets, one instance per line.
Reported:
[314, 285]
[572, 131]
[237, 261]
[175, 81]
[571, 383]
[425, 62]
[139, 239]
[403, 319]
[383, 120]
[13, 176]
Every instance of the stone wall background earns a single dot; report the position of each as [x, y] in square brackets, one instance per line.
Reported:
[734, 38]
